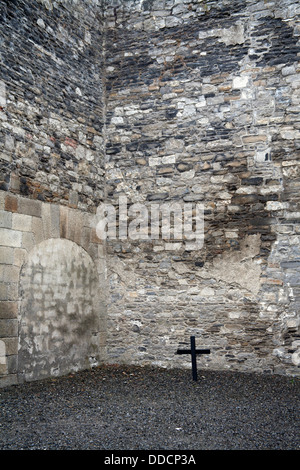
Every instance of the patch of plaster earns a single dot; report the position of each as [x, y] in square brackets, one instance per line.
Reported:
[60, 312]
[235, 267]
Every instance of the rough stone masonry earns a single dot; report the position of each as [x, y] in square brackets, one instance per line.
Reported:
[158, 101]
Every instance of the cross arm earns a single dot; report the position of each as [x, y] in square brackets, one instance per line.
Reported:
[189, 351]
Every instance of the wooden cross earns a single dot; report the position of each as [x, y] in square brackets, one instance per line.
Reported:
[193, 351]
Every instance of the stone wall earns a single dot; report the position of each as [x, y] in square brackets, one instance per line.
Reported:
[203, 107]
[162, 102]
[51, 141]
[52, 304]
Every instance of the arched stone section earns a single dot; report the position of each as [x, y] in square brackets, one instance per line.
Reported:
[61, 317]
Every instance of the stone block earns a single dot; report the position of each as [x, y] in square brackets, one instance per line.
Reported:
[8, 309]
[3, 291]
[276, 205]
[75, 225]
[253, 139]
[30, 207]
[15, 183]
[3, 359]
[73, 199]
[37, 229]
[11, 345]
[2, 351]
[94, 238]
[240, 82]
[11, 203]
[8, 380]
[11, 238]
[68, 271]
[202, 111]
[21, 222]
[3, 367]
[2, 199]
[85, 237]
[51, 220]
[244, 199]
[6, 255]
[5, 219]
[64, 218]
[55, 221]
[11, 292]
[19, 256]
[9, 273]
[8, 327]
[28, 241]
[2, 94]
[12, 364]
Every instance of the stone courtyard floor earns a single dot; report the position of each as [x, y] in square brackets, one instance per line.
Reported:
[134, 408]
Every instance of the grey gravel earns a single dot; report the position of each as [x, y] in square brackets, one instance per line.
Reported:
[135, 408]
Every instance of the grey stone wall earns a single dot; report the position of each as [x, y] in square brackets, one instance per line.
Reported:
[158, 101]
[51, 139]
[203, 106]
[51, 180]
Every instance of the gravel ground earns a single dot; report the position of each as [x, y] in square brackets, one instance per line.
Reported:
[132, 408]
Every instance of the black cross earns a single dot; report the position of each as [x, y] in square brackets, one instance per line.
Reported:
[193, 351]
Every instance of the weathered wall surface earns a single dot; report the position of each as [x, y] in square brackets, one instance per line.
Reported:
[52, 306]
[203, 106]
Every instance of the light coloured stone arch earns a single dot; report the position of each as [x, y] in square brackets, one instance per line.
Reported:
[62, 311]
